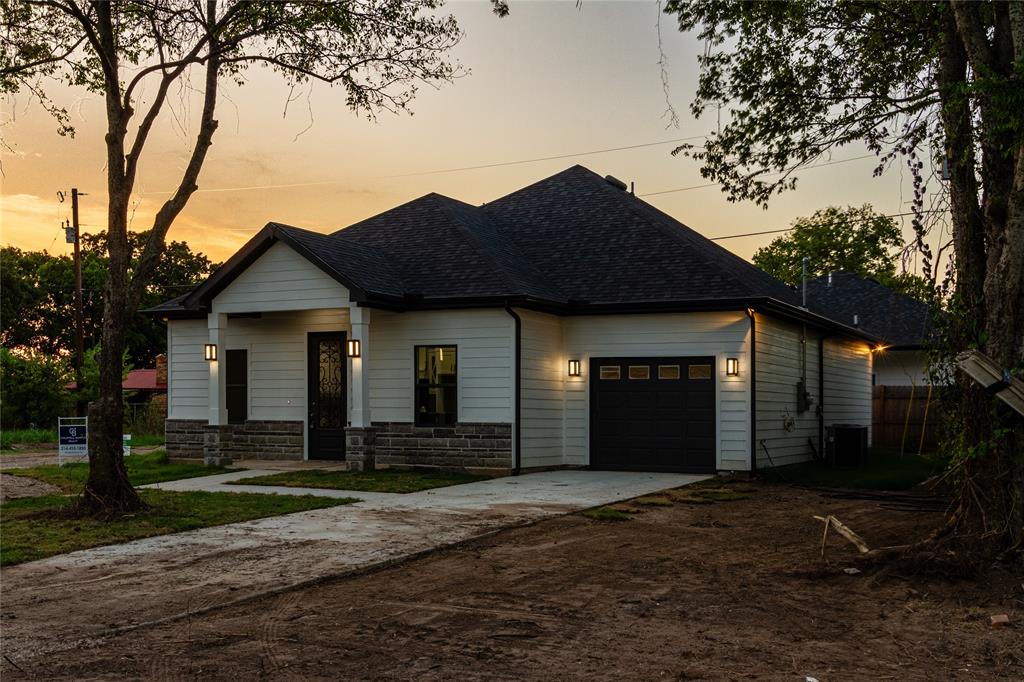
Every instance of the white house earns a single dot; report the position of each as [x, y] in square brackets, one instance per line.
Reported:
[567, 324]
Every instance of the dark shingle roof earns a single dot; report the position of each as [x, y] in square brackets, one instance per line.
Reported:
[570, 243]
[896, 319]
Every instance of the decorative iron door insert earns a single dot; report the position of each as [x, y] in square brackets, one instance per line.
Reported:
[328, 389]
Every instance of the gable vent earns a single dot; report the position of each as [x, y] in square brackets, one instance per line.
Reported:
[615, 182]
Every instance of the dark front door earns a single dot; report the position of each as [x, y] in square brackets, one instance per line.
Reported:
[653, 414]
[327, 392]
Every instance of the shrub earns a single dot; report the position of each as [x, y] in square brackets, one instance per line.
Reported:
[33, 390]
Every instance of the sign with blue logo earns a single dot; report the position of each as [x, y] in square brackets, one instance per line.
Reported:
[73, 437]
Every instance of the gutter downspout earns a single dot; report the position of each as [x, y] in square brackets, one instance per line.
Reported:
[516, 450]
[753, 391]
[821, 396]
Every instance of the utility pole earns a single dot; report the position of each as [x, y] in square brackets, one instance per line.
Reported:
[80, 407]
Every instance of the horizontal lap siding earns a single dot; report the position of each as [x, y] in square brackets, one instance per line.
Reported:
[720, 334]
[187, 372]
[848, 367]
[544, 369]
[277, 345]
[485, 371]
[280, 280]
[779, 368]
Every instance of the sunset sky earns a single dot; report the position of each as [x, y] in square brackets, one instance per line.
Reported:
[549, 80]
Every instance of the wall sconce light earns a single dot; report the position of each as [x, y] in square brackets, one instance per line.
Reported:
[732, 367]
[355, 348]
[210, 352]
[574, 368]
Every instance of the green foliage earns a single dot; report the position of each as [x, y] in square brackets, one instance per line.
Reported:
[381, 481]
[10, 437]
[38, 527]
[33, 389]
[37, 308]
[851, 239]
[606, 514]
[153, 467]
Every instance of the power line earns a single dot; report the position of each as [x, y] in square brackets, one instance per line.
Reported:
[449, 170]
[714, 184]
[787, 229]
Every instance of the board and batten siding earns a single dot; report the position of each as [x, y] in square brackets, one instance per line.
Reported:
[276, 345]
[781, 361]
[544, 371]
[848, 368]
[485, 341]
[280, 279]
[717, 334]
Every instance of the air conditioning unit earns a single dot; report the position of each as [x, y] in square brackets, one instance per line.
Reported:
[847, 445]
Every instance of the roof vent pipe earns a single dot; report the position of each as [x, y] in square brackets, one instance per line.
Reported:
[615, 182]
[856, 320]
[803, 275]
[830, 279]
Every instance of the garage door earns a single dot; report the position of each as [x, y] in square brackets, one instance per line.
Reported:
[652, 414]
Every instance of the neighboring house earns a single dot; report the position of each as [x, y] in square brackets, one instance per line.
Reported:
[900, 322]
[566, 324]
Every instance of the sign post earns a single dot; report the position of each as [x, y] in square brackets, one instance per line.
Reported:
[73, 436]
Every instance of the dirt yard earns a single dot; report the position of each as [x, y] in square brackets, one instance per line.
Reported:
[725, 591]
[16, 487]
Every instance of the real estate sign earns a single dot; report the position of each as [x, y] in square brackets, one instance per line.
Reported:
[73, 438]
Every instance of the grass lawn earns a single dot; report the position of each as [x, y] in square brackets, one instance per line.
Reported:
[883, 471]
[152, 467]
[8, 438]
[383, 481]
[38, 527]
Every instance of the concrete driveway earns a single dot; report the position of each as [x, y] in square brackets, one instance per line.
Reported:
[58, 602]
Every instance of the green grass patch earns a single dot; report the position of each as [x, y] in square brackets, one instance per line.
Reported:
[606, 514]
[9, 437]
[38, 527]
[144, 441]
[382, 481]
[883, 471]
[152, 467]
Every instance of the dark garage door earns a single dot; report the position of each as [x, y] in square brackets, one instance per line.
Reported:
[652, 414]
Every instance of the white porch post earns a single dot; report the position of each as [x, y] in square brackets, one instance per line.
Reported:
[360, 377]
[218, 328]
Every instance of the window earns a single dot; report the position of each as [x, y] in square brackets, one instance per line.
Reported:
[611, 372]
[699, 371]
[436, 385]
[236, 372]
[639, 372]
[668, 371]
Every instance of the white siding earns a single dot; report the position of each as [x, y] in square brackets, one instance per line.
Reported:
[900, 368]
[544, 373]
[277, 345]
[781, 362]
[485, 361]
[187, 372]
[719, 334]
[848, 383]
[280, 279]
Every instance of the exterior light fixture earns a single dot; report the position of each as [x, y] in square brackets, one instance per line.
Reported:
[355, 348]
[210, 352]
[732, 367]
[574, 368]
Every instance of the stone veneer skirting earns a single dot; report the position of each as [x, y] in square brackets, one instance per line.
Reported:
[459, 446]
[255, 439]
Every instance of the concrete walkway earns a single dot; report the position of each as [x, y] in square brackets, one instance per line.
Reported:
[61, 601]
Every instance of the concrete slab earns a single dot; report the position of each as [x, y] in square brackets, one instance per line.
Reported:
[172, 575]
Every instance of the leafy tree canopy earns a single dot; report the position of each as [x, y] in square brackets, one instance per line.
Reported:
[853, 239]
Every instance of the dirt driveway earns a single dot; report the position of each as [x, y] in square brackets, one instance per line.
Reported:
[733, 590]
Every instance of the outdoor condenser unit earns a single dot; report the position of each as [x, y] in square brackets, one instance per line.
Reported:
[847, 444]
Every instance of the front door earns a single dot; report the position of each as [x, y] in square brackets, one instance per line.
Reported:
[327, 394]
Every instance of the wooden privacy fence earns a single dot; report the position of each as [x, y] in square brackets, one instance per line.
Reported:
[904, 418]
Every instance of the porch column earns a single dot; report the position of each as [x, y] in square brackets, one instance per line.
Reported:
[359, 436]
[216, 445]
[360, 377]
